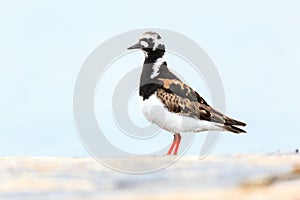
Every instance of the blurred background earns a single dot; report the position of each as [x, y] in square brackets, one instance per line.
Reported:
[254, 44]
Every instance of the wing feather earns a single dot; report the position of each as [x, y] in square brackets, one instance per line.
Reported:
[182, 99]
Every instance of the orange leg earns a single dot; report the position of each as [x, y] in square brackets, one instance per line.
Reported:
[177, 143]
[172, 146]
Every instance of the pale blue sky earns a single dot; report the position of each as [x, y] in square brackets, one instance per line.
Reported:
[255, 46]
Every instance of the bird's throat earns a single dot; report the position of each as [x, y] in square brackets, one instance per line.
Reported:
[152, 56]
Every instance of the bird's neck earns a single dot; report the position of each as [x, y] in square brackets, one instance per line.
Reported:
[154, 64]
[153, 56]
[154, 68]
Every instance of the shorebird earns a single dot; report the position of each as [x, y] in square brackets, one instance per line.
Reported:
[171, 104]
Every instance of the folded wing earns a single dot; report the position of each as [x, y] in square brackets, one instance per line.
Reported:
[182, 99]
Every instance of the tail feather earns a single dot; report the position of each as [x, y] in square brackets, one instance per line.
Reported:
[233, 129]
[218, 117]
[233, 122]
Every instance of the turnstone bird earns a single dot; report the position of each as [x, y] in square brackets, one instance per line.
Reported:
[171, 104]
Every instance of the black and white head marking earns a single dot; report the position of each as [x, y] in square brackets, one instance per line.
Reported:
[151, 41]
[154, 50]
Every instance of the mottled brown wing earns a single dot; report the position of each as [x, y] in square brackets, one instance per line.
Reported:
[179, 88]
[180, 98]
[185, 106]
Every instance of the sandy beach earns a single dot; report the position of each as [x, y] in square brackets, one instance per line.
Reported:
[215, 177]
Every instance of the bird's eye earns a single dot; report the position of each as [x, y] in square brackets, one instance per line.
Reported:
[150, 39]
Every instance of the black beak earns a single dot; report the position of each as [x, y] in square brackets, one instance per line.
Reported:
[136, 46]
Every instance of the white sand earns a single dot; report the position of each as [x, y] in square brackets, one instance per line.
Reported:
[218, 177]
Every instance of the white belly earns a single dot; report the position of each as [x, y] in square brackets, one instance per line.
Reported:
[155, 112]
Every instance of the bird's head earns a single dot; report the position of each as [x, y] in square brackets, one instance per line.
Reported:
[149, 42]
